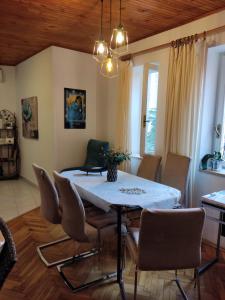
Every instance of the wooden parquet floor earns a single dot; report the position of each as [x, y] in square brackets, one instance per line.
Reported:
[31, 280]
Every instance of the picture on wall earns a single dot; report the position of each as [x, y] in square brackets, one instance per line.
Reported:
[74, 108]
[30, 117]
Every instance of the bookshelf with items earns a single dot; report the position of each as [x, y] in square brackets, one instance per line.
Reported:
[9, 149]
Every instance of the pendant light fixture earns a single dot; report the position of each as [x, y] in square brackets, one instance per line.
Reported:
[119, 39]
[110, 66]
[100, 51]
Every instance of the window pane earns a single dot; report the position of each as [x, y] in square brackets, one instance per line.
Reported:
[136, 102]
[151, 110]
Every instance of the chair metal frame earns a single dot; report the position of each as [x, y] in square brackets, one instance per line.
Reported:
[77, 258]
[47, 245]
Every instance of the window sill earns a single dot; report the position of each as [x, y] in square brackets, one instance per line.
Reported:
[138, 156]
[220, 172]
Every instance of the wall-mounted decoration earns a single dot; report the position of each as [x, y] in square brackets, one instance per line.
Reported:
[30, 117]
[74, 108]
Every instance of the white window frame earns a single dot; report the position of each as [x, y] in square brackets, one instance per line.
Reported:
[147, 67]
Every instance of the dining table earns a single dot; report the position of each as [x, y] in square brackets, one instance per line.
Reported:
[126, 194]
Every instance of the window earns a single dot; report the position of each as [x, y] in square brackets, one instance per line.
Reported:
[149, 117]
[136, 100]
[219, 127]
[144, 102]
[213, 110]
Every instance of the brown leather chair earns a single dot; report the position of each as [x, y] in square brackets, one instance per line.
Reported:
[79, 228]
[49, 209]
[167, 240]
[175, 173]
[149, 167]
[7, 252]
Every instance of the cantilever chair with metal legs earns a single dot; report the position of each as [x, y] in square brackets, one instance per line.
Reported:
[175, 173]
[80, 229]
[167, 240]
[49, 209]
[149, 167]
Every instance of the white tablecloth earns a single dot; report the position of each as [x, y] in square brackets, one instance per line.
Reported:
[96, 189]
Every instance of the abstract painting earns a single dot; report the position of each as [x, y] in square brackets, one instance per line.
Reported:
[74, 108]
[30, 117]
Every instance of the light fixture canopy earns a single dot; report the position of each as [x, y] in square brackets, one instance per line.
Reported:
[110, 66]
[100, 50]
[119, 38]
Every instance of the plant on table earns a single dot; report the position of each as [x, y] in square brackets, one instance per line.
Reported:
[113, 159]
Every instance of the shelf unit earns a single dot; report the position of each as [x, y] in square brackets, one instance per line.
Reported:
[9, 149]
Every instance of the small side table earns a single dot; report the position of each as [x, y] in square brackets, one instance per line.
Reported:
[215, 201]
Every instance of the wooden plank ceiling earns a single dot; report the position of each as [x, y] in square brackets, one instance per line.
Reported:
[29, 26]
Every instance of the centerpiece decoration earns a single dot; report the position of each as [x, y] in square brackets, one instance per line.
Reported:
[113, 159]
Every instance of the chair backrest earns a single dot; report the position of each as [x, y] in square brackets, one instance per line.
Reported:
[8, 252]
[170, 239]
[73, 214]
[95, 150]
[149, 167]
[175, 173]
[49, 196]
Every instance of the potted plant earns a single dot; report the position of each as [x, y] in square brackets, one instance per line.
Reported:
[113, 159]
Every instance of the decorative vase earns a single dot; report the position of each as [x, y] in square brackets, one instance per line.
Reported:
[112, 173]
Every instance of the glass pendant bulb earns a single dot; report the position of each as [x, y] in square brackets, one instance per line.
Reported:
[100, 51]
[119, 39]
[110, 66]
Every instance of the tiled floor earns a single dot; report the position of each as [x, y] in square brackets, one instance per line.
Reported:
[17, 197]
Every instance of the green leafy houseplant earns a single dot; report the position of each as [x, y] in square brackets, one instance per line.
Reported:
[113, 159]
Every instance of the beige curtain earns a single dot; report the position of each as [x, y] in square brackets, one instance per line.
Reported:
[184, 103]
[123, 129]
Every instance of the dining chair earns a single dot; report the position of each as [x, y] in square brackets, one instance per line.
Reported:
[82, 229]
[149, 167]
[167, 239]
[50, 210]
[8, 252]
[175, 173]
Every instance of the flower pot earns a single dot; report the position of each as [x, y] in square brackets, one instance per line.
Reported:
[112, 173]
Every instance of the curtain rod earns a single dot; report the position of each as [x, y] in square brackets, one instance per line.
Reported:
[167, 45]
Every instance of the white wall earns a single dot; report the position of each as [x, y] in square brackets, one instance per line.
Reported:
[8, 89]
[72, 69]
[45, 75]
[34, 78]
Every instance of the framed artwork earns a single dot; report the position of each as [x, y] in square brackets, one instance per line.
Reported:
[74, 108]
[30, 117]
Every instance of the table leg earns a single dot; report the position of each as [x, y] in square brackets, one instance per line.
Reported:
[119, 249]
